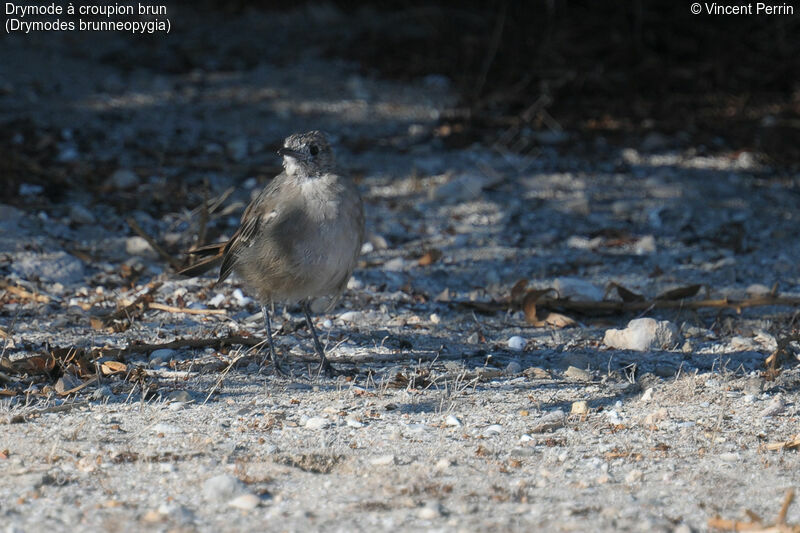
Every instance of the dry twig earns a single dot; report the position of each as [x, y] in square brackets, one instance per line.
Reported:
[756, 524]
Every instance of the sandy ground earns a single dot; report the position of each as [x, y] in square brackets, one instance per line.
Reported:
[442, 422]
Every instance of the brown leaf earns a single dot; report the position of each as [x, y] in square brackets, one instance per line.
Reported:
[680, 293]
[627, 295]
[430, 257]
[558, 320]
[518, 293]
[113, 367]
[529, 304]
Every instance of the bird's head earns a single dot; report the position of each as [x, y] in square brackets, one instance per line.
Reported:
[307, 154]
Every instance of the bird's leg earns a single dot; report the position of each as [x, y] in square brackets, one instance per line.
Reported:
[272, 356]
[325, 365]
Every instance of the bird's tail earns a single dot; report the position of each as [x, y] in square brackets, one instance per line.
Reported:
[212, 256]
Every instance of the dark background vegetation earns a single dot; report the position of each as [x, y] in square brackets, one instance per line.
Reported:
[617, 68]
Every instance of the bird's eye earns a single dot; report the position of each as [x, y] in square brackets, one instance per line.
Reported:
[313, 149]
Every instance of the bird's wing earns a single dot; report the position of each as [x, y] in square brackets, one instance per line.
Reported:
[261, 211]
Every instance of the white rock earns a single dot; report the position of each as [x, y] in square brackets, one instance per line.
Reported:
[165, 354]
[758, 289]
[643, 334]
[452, 421]
[647, 396]
[430, 511]
[317, 422]
[434, 318]
[223, 487]
[136, 245]
[354, 423]
[634, 476]
[217, 300]
[350, 316]
[494, 429]
[245, 502]
[517, 343]
[163, 427]
[645, 245]
[383, 460]
[241, 299]
[578, 289]
[123, 179]
[395, 265]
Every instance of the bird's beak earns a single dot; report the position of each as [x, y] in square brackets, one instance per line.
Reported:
[284, 152]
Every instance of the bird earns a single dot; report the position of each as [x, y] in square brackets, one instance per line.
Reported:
[298, 240]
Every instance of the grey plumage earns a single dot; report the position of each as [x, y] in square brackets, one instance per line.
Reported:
[300, 238]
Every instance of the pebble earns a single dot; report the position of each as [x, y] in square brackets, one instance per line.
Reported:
[513, 368]
[163, 427]
[443, 464]
[350, 316]
[383, 460]
[647, 396]
[613, 416]
[245, 502]
[577, 374]
[645, 245]
[78, 214]
[395, 265]
[53, 267]
[549, 422]
[430, 511]
[579, 408]
[123, 179]
[434, 318]
[179, 396]
[240, 298]
[775, 407]
[494, 429]
[223, 487]
[136, 245]
[452, 421]
[317, 422]
[643, 334]
[354, 423]
[634, 476]
[516, 343]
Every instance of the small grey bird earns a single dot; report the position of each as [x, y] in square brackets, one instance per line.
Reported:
[299, 239]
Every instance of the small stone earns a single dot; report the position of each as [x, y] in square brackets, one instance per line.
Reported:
[78, 214]
[163, 427]
[516, 343]
[352, 422]
[758, 289]
[123, 179]
[549, 422]
[647, 396]
[656, 416]
[452, 421]
[395, 265]
[579, 408]
[443, 464]
[775, 407]
[223, 487]
[430, 511]
[350, 316]
[138, 246]
[643, 334]
[577, 374]
[634, 476]
[245, 502]
[665, 371]
[317, 422]
[67, 382]
[513, 368]
[383, 460]
[645, 245]
[729, 457]
[434, 318]
[494, 429]
[181, 396]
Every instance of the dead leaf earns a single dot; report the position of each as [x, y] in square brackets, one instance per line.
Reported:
[557, 320]
[518, 293]
[627, 295]
[113, 367]
[680, 293]
[430, 257]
